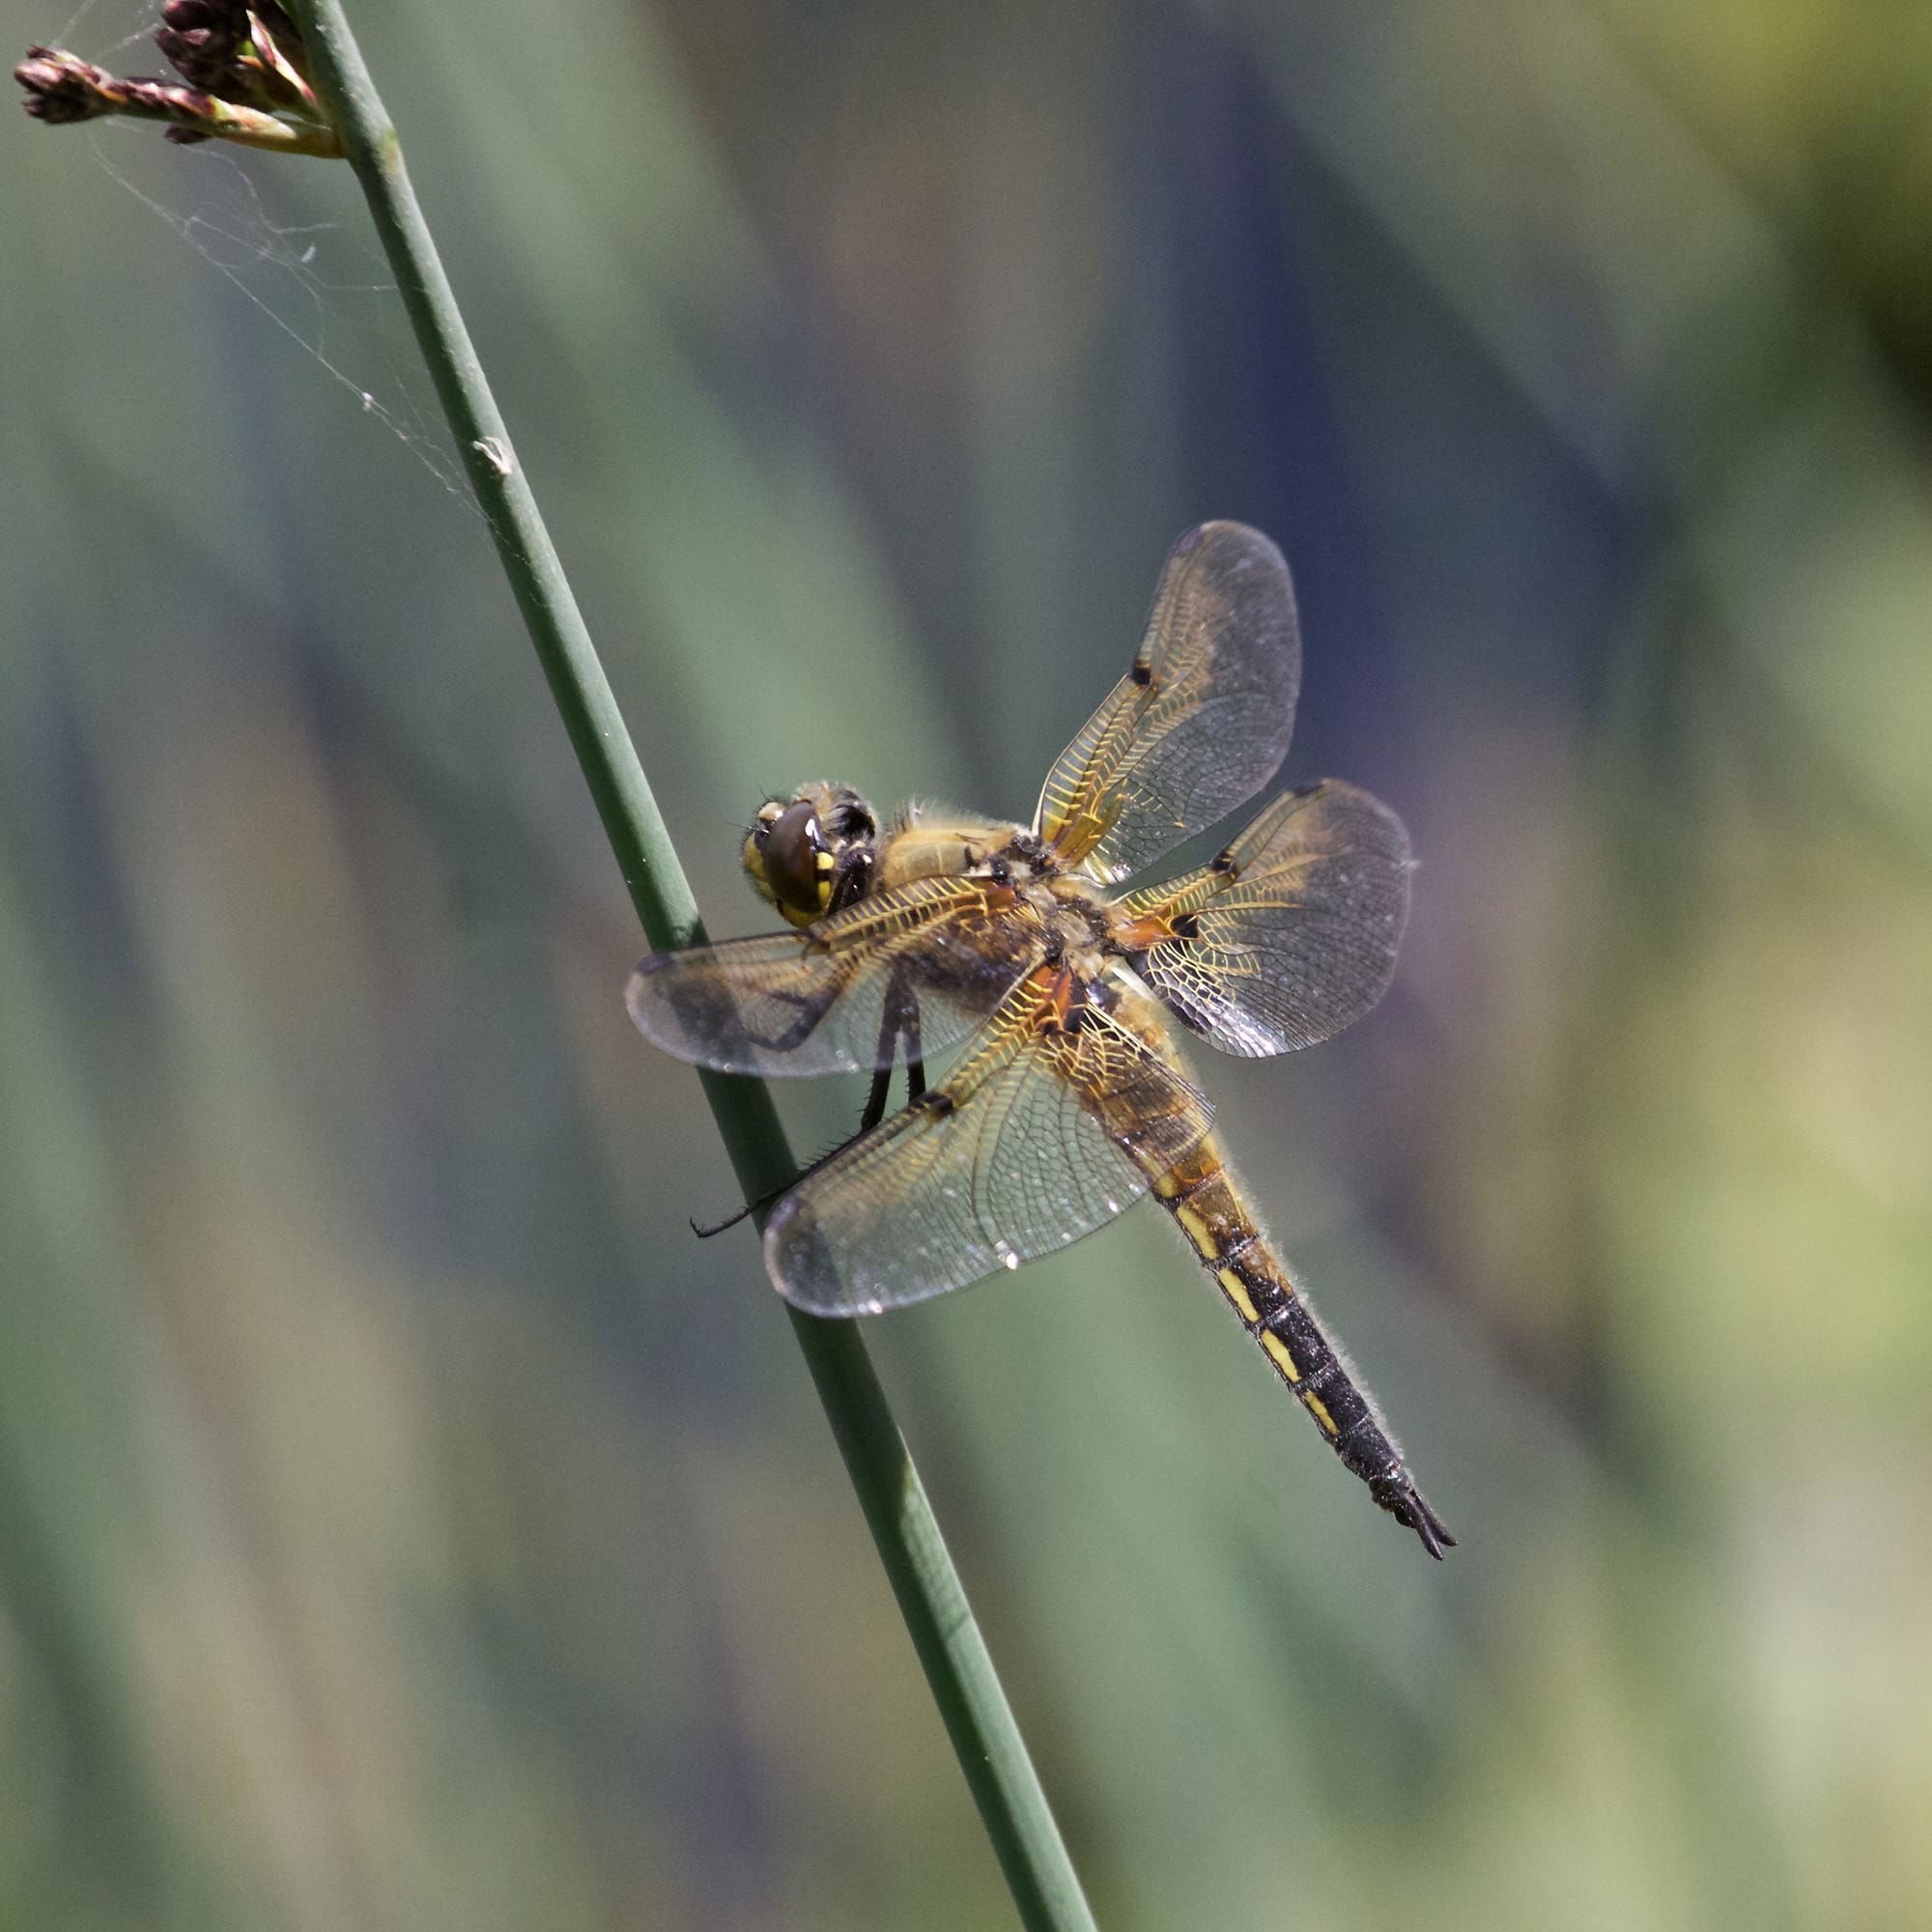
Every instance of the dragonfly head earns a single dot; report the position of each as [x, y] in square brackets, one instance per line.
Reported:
[813, 853]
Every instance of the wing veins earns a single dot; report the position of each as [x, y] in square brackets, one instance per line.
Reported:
[1295, 925]
[1024, 1156]
[818, 1001]
[1199, 723]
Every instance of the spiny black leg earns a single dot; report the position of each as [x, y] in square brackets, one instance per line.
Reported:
[875, 1100]
[914, 1050]
[704, 1233]
[778, 1193]
[897, 1015]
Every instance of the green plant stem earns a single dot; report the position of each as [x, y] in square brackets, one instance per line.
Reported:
[964, 1684]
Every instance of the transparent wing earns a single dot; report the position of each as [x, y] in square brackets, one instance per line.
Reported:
[818, 1001]
[1290, 934]
[1047, 1129]
[1200, 723]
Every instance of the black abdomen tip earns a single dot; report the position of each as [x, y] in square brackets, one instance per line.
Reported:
[1408, 1505]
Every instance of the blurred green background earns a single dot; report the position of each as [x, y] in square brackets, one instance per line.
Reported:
[405, 1523]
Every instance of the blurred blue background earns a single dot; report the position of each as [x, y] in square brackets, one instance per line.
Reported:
[405, 1523]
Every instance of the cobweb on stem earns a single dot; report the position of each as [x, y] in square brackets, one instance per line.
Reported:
[323, 291]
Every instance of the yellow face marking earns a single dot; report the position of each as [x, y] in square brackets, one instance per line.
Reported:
[1315, 1408]
[1167, 1187]
[1278, 1350]
[1236, 1291]
[1197, 1231]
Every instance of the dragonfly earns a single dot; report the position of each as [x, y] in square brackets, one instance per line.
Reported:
[1070, 1099]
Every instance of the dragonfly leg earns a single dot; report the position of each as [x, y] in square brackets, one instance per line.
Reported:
[704, 1232]
[915, 1049]
[897, 1026]
[875, 1100]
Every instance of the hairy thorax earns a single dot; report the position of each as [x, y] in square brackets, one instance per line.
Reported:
[1072, 911]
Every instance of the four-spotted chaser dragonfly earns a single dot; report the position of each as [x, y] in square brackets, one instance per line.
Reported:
[1071, 1099]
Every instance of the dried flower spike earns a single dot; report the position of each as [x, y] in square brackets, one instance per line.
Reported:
[201, 38]
[63, 88]
[246, 80]
[252, 56]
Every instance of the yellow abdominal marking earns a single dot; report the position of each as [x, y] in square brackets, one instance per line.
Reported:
[1313, 1403]
[1236, 1291]
[1285, 1362]
[1197, 1231]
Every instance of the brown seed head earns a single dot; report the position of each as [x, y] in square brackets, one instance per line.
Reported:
[62, 87]
[201, 38]
[253, 89]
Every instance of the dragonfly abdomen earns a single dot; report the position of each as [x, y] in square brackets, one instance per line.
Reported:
[1200, 1196]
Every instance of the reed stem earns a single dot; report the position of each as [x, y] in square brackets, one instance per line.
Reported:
[931, 1600]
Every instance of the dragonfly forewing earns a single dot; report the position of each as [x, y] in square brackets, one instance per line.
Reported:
[1202, 719]
[838, 997]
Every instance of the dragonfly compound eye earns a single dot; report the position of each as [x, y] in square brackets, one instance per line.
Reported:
[798, 863]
